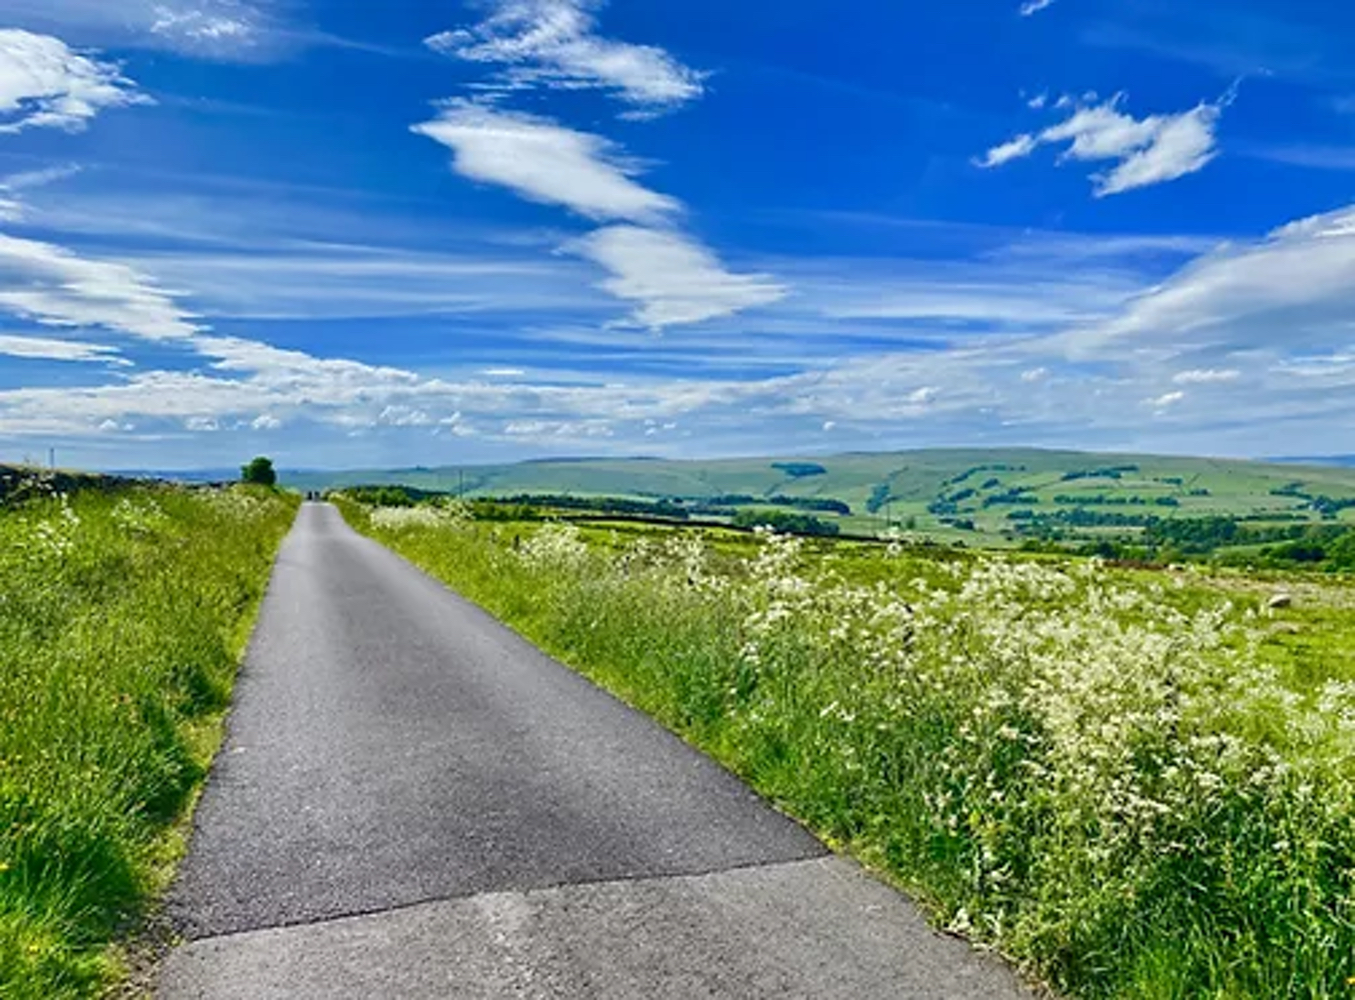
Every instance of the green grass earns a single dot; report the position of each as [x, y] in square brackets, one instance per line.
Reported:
[1134, 784]
[122, 618]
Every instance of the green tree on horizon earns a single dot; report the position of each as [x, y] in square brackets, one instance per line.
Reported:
[260, 471]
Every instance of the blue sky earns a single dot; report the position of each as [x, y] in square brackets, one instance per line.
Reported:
[426, 232]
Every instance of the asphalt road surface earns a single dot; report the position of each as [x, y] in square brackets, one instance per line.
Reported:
[413, 802]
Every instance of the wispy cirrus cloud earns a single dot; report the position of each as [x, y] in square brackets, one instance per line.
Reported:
[30, 179]
[554, 44]
[54, 287]
[239, 381]
[46, 84]
[675, 280]
[49, 349]
[221, 30]
[1148, 151]
[1160, 366]
[1236, 299]
[1032, 7]
[543, 161]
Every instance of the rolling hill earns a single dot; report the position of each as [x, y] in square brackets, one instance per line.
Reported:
[959, 493]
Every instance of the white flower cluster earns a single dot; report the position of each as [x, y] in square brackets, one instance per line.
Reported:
[142, 516]
[234, 503]
[448, 515]
[1126, 723]
[52, 537]
[555, 546]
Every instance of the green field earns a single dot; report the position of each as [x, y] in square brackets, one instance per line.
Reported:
[1135, 784]
[936, 493]
[123, 613]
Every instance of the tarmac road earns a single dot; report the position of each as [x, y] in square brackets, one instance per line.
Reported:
[413, 802]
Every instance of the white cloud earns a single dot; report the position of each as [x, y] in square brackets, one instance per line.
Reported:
[1206, 376]
[211, 29]
[1038, 101]
[1293, 291]
[553, 43]
[674, 279]
[197, 27]
[44, 84]
[1149, 151]
[265, 422]
[404, 416]
[1015, 149]
[29, 179]
[1258, 335]
[1165, 401]
[55, 287]
[1035, 6]
[45, 348]
[1012, 298]
[1312, 155]
[545, 162]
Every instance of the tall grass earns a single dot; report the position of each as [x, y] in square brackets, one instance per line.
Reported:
[1094, 772]
[122, 616]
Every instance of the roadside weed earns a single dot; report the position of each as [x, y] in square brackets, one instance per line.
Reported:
[1096, 771]
[120, 625]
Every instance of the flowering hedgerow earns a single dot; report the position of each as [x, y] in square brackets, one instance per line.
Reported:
[1098, 774]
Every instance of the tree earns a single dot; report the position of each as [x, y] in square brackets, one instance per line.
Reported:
[260, 472]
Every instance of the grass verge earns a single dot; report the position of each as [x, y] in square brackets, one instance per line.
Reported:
[123, 615]
[1100, 773]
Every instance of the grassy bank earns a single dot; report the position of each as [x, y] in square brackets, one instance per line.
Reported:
[1126, 781]
[122, 617]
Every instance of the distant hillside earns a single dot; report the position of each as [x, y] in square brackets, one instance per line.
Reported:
[1004, 494]
[1345, 461]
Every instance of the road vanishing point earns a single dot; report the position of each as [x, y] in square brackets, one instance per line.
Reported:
[414, 802]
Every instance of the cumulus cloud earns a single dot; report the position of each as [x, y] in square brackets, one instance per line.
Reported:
[672, 278]
[554, 43]
[1031, 7]
[45, 84]
[545, 162]
[1148, 151]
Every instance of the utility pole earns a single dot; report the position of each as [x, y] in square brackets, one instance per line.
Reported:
[51, 458]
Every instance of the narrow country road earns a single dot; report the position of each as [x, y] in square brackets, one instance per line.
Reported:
[413, 802]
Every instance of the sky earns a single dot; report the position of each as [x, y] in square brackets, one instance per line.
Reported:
[433, 232]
